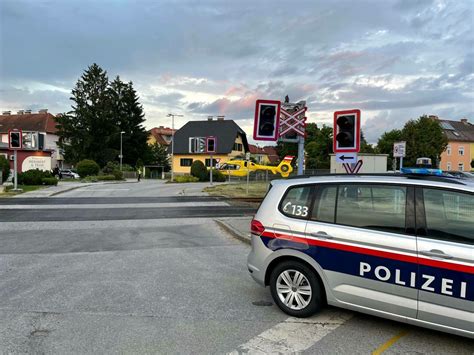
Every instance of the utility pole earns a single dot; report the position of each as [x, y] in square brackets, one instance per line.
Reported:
[121, 155]
[172, 115]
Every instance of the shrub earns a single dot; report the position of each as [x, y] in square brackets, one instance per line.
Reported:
[90, 179]
[118, 175]
[199, 170]
[105, 177]
[49, 181]
[217, 176]
[87, 167]
[33, 177]
[4, 168]
[186, 178]
[112, 168]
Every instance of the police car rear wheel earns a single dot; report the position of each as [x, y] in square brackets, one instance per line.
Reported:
[296, 289]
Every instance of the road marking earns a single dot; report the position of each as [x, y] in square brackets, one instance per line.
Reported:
[389, 343]
[103, 190]
[294, 334]
[118, 205]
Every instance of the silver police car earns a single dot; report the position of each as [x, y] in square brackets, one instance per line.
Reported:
[399, 247]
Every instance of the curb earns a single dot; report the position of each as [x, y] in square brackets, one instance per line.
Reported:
[67, 190]
[232, 231]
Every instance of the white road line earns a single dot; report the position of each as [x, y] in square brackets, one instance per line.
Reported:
[294, 334]
[118, 205]
[101, 190]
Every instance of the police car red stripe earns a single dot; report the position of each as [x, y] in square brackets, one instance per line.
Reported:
[379, 253]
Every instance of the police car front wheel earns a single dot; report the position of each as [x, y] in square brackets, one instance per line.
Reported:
[296, 289]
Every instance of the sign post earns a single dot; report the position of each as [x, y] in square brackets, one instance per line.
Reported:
[247, 160]
[399, 149]
[211, 148]
[293, 122]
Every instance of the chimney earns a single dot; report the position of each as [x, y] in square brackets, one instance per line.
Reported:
[161, 127]
[433, 117]
[43, 110]
[209, 118]
[28, 112]
[6, 113]
[464, 120]
[20, 112]
[220, 118]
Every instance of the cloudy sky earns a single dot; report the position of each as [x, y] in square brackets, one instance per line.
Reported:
[395, 60]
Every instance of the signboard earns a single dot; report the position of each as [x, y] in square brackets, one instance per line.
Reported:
[346, 158]
[293, 122]
[247, 156]
[34, 162]
[353, 168]
[399, 149]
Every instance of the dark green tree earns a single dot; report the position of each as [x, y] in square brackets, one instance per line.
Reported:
[425, 138]
[158, 155]
[365, 147]
[127, 114]
[86, 131]
[385, 144]
[318, 147]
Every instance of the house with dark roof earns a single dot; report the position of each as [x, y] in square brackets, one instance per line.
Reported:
[231, 142]
[40, 150]
[459, 154]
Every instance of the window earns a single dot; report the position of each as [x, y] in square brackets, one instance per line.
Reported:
[448, 166]
[449, 215]
[372, 206]
[325, 205]
[208, 162]
[461, 166]
[230, 167]
[448, 150]
[186, 162]
[461, 151]
[238, 147]
[296, 202]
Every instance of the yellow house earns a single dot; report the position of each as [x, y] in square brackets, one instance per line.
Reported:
[231, 142]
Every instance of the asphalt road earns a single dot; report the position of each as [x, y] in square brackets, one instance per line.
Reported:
[73, 280]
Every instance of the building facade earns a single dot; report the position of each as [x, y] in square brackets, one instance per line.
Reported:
[459, 153]
[231, 143]
[40, 150]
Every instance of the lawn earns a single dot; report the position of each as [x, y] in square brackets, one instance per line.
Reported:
[25, 188]
[256, 189]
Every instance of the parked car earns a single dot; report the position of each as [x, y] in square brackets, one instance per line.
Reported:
[68, 173]
[395, 246]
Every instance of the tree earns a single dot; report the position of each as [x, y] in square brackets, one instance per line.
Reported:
[158, 155]
[364, 146]
[425, 138]
[385, 144]
[4, 169]
[86, 131]
[127, 114]
[318, 147]
[102, 110]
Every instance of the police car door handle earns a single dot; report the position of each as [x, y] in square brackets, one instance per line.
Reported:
[321, 235]
[435, 253]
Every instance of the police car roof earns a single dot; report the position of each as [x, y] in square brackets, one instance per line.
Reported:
[406, 179]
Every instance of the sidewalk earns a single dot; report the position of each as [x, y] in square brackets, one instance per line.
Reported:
[238, 227]
[66, 186]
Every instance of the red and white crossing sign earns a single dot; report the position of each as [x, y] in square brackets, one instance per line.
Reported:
[293, 122]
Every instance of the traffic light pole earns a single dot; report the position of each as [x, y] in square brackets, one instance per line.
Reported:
[15, 169]
[210, 177]
[300, 155]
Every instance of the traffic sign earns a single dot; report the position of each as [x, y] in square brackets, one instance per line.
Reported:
[346, 157]
[293, 122]
[346, 131]
[399, 149]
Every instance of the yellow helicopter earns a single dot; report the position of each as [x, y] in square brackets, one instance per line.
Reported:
[240, 168]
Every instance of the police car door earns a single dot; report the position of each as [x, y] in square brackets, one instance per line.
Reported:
[445, 228]
[360, 235]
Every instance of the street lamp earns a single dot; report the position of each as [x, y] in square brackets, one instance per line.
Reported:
[172, 115]
[121, 155]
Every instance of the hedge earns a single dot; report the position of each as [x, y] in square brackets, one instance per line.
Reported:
[4, 168]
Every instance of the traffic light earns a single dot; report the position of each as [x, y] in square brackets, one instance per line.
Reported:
[267, 118]
[14, 138]
[211, 144]
[346, 131]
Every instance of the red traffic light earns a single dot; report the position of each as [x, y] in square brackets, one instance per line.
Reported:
[346, 131]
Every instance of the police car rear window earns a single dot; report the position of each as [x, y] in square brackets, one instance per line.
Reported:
[296, 202]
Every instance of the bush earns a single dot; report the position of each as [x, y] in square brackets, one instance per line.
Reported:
[90, 179]
[49, 181]
[105, 177]
[217, 176]
[4, 168]
[112, 168]
[87, 167]
[199, 170]
[33, 177]
[186, 178]
[118, 175]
